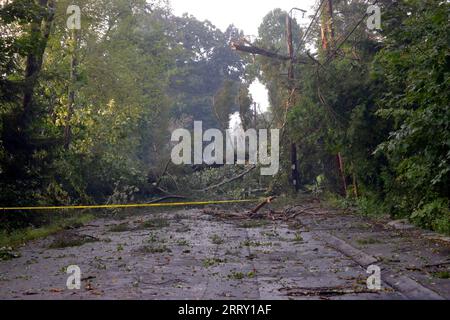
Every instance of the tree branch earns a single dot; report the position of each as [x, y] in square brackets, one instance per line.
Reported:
[228, 181]
[263, 52]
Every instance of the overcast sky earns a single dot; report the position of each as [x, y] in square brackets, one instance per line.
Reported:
[246, 15]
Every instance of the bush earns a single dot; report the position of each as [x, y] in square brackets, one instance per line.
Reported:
[434, 215]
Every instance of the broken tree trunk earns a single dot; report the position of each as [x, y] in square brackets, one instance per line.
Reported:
[263, 204]
[167, 198]
[327, 33]
[263, 52]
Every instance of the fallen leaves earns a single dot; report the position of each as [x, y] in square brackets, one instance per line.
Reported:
[89, 287]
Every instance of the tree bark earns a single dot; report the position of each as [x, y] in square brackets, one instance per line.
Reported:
[295, 176]
[40, 29]
[72, 84]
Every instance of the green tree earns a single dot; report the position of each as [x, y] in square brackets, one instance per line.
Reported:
[413, 66]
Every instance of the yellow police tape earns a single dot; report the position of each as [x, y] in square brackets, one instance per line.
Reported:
[124, 206]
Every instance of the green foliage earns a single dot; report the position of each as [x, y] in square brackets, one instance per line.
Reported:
[20, 236]
[414, 67]
[245, 107]
[138, 72]
[7, 253]
[381, 103]
[204, 64]
[370, 206]
[196, 182]
[136, 66]
[434, 215]
[224, 101]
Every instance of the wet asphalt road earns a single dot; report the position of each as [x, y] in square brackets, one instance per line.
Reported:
[190, 254]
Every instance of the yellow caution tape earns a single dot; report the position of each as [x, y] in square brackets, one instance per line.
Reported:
[124, 206]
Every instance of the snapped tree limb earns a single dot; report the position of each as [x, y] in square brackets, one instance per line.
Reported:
[263, 204]
[249, 48]
[229, 181]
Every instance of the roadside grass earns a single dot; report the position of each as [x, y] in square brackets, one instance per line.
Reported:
[365, 206]
[442, 275]
[432, 216]
[21, 236]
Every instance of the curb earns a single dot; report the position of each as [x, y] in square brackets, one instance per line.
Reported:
[404, 225]
[408, 287]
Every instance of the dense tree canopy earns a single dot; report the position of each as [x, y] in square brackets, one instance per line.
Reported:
[86, 115]
[380, 102]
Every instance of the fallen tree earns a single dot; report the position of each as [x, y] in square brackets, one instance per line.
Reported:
[243, 174]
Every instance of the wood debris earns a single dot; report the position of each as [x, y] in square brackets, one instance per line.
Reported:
[323, 291]
[287, 214]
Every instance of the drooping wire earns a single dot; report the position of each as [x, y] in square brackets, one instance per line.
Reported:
[310, 26]
[331, 56]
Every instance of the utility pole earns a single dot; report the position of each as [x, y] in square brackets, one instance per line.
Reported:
[295, 176]
[290, 48]
[250, 48]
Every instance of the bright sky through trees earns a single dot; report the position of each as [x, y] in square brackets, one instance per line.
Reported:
[246, 15]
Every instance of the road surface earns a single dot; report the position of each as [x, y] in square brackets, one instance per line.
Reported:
[318, 253]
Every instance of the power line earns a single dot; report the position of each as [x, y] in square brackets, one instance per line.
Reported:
[347, 37]
[310, 26]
